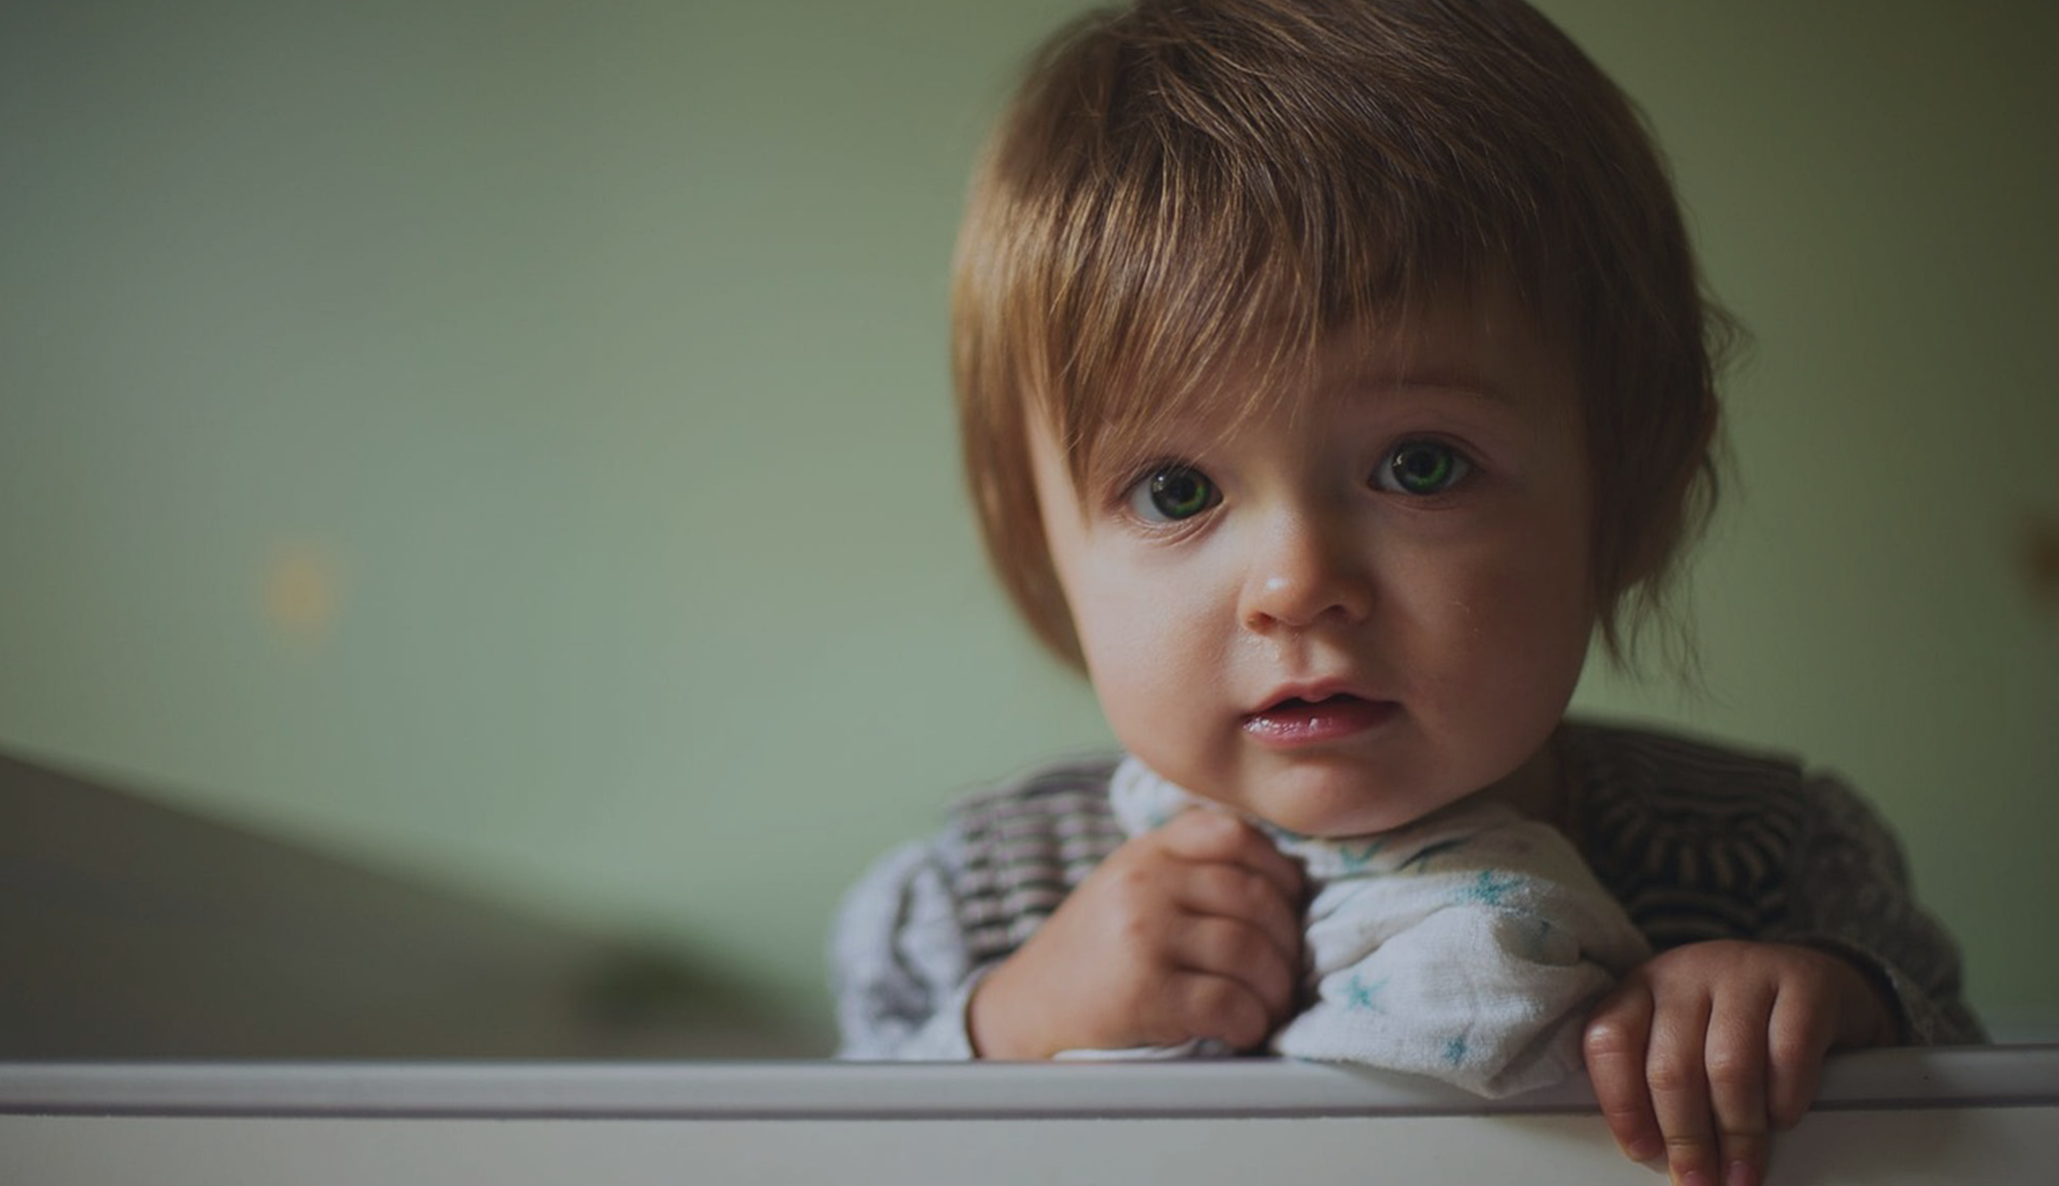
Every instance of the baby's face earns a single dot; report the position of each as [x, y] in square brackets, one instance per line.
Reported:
[1353, 612]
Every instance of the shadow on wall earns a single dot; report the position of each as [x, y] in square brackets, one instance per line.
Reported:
[136, 931]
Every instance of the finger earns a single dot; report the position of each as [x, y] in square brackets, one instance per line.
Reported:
[1677, 1074]
[1203, 1005]
[1236, 951]
[1236, 893]
[1735, 1055]
[1205, 836]
[1798, 1036]
[1614, 1047]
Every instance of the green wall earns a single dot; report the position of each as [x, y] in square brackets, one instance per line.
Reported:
[511, 440]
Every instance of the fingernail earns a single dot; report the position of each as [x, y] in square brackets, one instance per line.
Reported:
[1742, 1173]
[1695, 1178]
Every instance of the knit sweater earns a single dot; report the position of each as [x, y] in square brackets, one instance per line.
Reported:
[1696, 841]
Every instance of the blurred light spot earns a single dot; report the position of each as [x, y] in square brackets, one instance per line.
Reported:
[301, 591]
[2040, 554]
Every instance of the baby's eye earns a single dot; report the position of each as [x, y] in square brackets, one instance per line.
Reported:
[1421, 467]
[1172, 493]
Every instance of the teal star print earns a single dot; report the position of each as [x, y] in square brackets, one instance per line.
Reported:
[1357, 856]
[1491, 888]
[1360, 995]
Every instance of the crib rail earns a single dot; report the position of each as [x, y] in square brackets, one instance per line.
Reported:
[1987, 1115]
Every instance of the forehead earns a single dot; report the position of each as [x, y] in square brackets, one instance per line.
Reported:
[1483, 346]
[1488, 346]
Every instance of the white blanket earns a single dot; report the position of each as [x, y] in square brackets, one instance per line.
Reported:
[1468, 945]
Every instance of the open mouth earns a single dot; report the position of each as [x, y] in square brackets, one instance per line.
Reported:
[1297, 704]
[1296, 720]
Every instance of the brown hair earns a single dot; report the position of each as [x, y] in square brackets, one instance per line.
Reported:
[1185, 182]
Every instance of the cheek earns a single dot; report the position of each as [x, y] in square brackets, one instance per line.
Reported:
[1125, 681]
[1514, 613]
[1145, 642]
[1122, 623]
[1546, 557]
[1547, 614]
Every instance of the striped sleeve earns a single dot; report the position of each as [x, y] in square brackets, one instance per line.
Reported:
[1852, 894]
[899, 970]
[1024, 849]
[915, 935]
[1701, 842]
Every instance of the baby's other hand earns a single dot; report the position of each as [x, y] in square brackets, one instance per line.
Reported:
[1704, 1049]
[1189, 931]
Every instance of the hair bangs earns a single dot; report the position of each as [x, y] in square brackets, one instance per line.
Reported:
[1204, 224]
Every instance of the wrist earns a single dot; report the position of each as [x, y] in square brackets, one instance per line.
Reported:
[1868, 1006]
[993, 1026]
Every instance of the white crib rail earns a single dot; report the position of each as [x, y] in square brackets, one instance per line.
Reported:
[1897, 1116]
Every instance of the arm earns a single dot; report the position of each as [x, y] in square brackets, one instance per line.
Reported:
[1191, 931]
[1703, 1050]
[1853, 897]
[899, 969]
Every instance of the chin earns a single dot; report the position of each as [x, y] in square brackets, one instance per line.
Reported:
[1320, 815]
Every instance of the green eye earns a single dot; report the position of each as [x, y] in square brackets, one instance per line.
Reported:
[1173, 493]
[1422, 467]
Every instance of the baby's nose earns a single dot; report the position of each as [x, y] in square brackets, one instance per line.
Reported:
[1306, 572]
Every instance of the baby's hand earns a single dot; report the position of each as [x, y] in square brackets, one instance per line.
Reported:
[1189, 931]
[1704, 1048]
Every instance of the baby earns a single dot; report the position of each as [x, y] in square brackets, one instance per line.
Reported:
[1331, 375]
